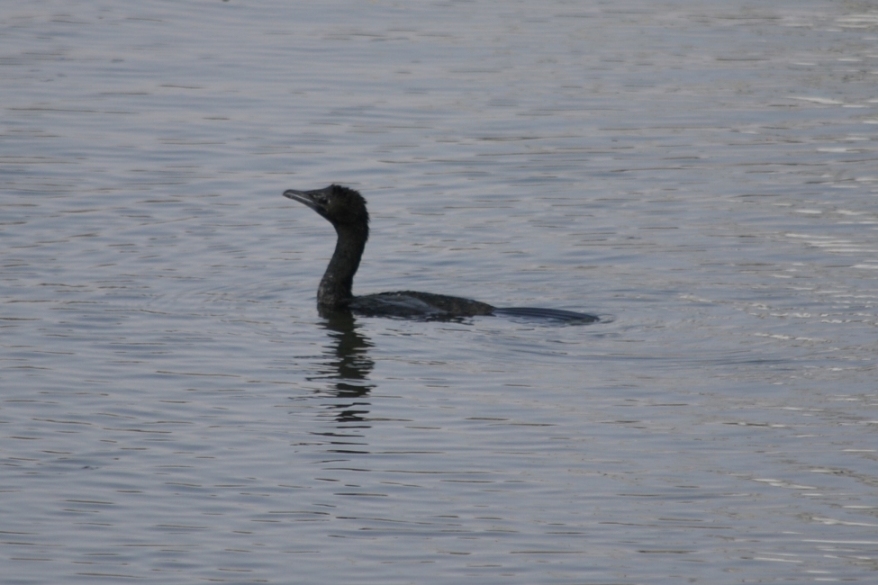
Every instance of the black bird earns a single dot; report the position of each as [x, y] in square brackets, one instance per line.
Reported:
[346, 210]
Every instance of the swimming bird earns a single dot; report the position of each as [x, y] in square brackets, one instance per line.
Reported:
[346, 210]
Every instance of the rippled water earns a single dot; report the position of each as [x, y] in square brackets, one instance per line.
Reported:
[701, 174]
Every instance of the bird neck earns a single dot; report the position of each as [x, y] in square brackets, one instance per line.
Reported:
[335, 289]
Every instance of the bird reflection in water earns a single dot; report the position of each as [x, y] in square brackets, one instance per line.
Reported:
[348, 367]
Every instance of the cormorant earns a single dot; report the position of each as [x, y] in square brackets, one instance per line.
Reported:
[346, 210]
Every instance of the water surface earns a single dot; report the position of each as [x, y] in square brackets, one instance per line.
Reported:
[700, 174]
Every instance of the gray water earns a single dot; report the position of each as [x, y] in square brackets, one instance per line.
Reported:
[703, 175]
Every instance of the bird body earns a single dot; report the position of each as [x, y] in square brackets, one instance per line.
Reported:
[346, 210]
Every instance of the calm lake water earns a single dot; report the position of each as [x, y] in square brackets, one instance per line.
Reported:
[703, 175]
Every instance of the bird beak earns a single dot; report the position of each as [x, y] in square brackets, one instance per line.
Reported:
[306, 197]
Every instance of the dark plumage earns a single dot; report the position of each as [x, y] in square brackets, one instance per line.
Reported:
[346, 210]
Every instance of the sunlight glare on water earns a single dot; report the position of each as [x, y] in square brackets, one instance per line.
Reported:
[699, 174]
